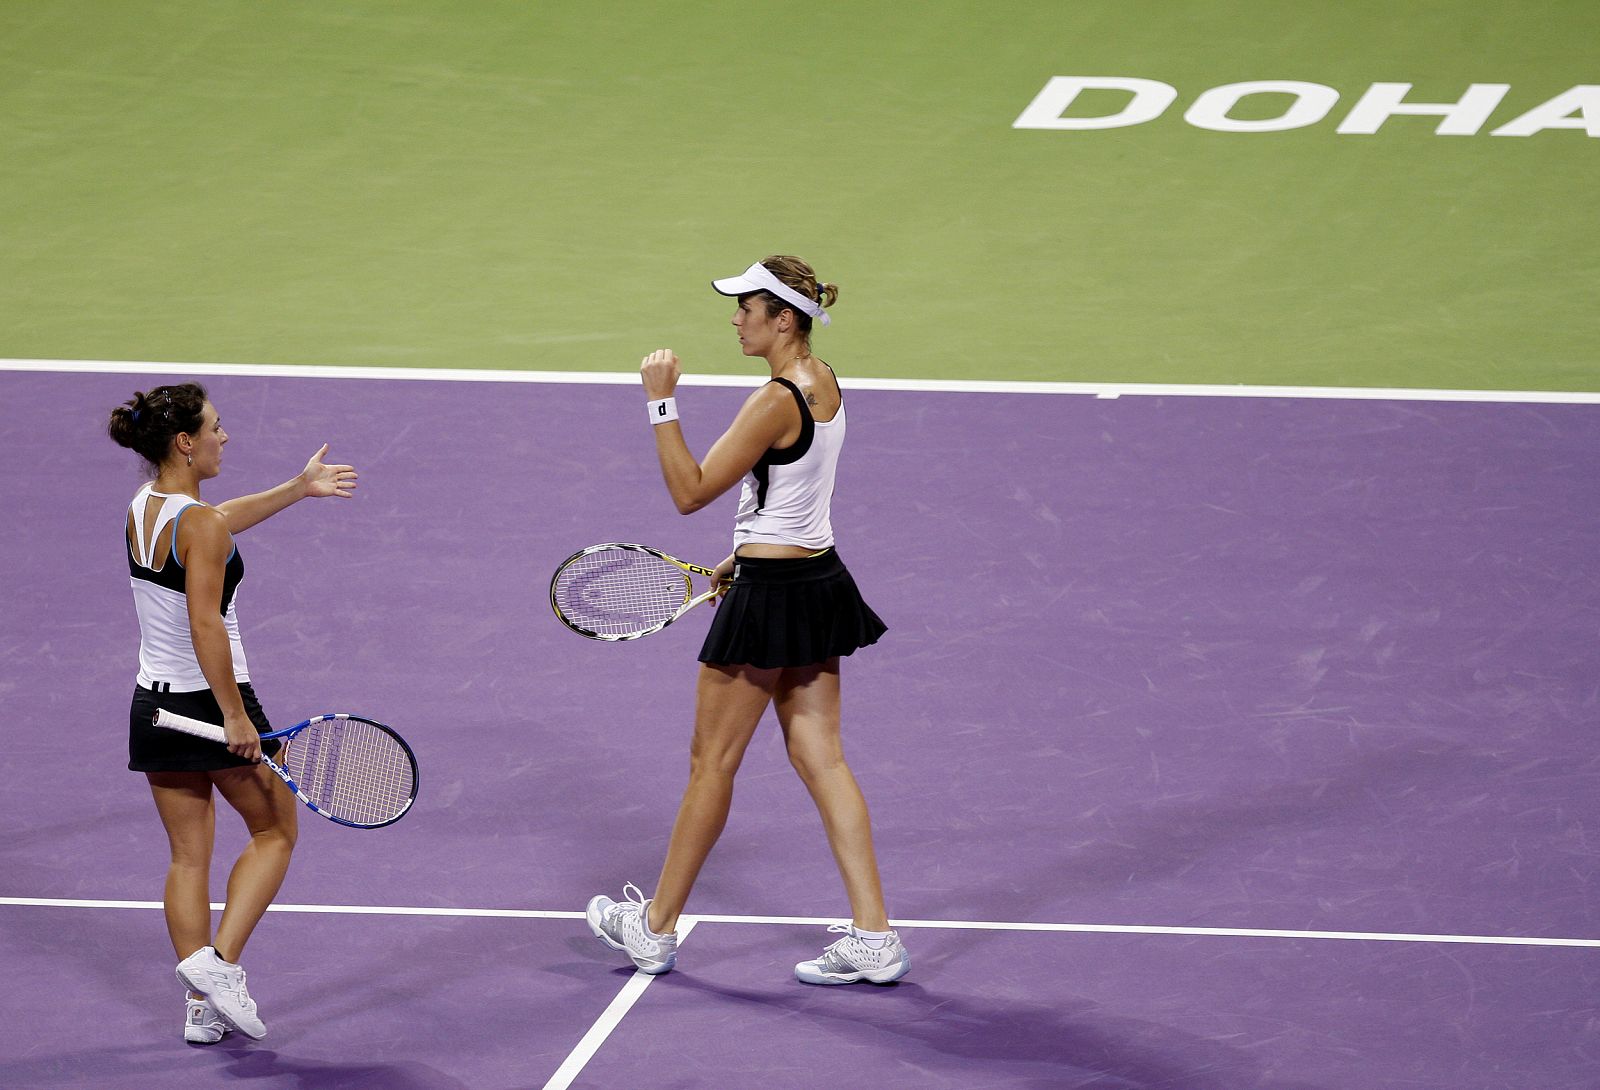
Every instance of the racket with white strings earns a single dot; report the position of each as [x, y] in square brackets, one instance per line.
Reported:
[347, 768]
[619, 591]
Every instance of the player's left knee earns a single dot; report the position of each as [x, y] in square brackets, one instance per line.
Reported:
[813, 764]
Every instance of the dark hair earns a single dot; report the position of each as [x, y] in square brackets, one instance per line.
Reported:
[148, 422]
[796, 274]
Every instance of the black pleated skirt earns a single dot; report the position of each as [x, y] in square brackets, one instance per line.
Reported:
[780, 612]
[157, 749]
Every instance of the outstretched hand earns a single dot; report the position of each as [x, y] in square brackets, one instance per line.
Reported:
[325, 480]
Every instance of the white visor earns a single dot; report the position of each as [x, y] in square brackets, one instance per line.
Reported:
[759, 278]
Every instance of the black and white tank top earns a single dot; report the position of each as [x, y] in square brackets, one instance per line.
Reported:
[787, 497]
[166, 645]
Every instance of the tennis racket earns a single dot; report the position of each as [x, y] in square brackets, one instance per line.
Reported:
[346, 768]
[618, 591]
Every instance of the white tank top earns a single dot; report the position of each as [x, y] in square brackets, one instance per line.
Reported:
[166, 643]
[787, 496]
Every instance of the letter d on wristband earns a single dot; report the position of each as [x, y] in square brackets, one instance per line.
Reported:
[664, 410]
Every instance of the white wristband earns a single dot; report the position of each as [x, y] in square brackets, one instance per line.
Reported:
[663, 411]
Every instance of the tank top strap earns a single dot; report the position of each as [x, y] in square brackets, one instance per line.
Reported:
[808, 430]
[172, 505]
[799, 399]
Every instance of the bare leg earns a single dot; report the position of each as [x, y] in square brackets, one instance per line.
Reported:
[729, 702]
[272, 815]
[807, 701]
[183, 799]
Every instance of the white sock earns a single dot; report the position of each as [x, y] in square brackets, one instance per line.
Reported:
[875, 940]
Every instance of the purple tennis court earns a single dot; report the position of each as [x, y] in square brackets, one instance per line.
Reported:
[1217, 743]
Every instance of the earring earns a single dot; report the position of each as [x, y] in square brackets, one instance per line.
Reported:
[189, 459]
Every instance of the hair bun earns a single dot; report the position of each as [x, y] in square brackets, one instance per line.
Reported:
[147, 421]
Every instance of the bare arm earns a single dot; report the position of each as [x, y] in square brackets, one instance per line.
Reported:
[316, 480]
[767, 417]
[203, 548]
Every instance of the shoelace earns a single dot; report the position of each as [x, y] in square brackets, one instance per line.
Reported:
[241, 993]
[838, 954]
[630, 917]
[851, 952]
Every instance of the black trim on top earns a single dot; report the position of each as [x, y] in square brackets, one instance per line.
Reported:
[788, 455]
[174, 577]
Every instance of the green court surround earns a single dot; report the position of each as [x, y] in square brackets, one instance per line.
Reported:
[549, 186]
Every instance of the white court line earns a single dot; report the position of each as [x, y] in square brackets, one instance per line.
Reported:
[1105, 390]
[951, 925]
[608, 1021]
[360, 910]
[601, 1029]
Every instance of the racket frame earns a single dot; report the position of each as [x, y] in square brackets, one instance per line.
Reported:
[613, 637]
[212, 732]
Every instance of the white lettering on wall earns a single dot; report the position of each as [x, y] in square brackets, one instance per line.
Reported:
[1310, 103]
[1584, 100]
[1150, 100]
[1461, 118]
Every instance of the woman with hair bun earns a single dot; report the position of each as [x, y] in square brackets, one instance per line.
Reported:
[185, 569]
[789, 612]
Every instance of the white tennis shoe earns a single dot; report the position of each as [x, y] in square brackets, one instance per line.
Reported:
[202, 1025]
[622, 926]
[851, 960]
[222, 983]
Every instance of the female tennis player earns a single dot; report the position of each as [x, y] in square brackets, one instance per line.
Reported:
[185, 570]
[790, 611]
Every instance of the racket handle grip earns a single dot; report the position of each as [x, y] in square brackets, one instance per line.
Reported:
[200, 729]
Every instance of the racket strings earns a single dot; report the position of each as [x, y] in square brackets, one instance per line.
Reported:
[352, 769]
[614, 592]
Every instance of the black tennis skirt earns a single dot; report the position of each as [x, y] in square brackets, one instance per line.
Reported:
[156, 749]
[781, 612]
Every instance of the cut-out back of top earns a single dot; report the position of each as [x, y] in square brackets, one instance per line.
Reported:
[167, 659]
